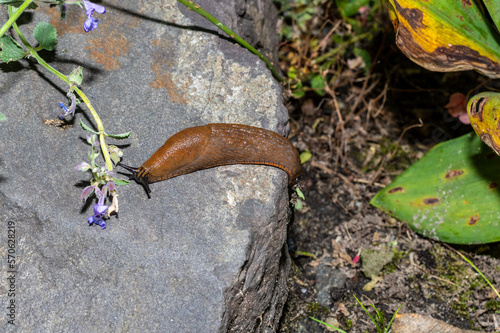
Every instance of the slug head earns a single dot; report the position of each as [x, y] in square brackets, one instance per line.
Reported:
[135, 176]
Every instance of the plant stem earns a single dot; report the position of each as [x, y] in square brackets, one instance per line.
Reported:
[100, 127]
[13, 18]
[197, 9]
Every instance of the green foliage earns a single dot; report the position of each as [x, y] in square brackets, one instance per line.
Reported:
[493, 8]
[457, 35]
[2, 117]
[10, 50]
[46, 34]
[451, 194]
[76, 76]
[305, 156]
[318, 85]
[379, 320]
[120, 136]
[87, 128]
[322, 37]
[328, 325]
[349, 8]
[18, 3]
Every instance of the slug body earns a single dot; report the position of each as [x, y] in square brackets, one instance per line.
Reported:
[203, 147]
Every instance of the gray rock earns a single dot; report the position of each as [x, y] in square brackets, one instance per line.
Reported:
[329, 279]
[206, 253]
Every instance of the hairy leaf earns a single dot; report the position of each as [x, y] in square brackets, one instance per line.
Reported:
[10, 50]
[46, 34]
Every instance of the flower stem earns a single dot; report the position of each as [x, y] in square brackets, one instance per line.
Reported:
[14, 17]
[197, 9]
[100, 128]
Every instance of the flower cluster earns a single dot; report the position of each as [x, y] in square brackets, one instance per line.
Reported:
[91, 22]
[102, 185]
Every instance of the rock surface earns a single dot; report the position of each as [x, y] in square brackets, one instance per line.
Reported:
[206, 253]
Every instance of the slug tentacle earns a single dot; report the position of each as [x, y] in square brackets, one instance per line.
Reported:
[203, 147]
[141, 180]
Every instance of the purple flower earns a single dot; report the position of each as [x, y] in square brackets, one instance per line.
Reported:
[88, 191]
[68, 109]
[99, 210]
[91, 22]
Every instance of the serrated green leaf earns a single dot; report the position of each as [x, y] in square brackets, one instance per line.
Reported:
[120, 136]
[2, 117]
[18, 3]
[121, 181]
[87, 128]
[10, 50]
[76, 75]
[451, 194]
[46, 34]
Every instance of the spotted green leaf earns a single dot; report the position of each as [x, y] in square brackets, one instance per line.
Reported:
[10, 50]
[484, 116]
[451, 194]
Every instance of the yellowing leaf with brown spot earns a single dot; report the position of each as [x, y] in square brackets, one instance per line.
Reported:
[446, 36]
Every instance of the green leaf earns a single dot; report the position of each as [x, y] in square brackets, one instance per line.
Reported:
[447, 36]
[349, 8]
[119, 136]
[18, 3]
[121, 181]
[10, 50]
[76, 75]
[298, 91]
[451, 194]
[46, 34]
[87, 128]
[365, 55]
[318, 85]
[299, 193]
[493, 8]
[305, 156]
[2, 117]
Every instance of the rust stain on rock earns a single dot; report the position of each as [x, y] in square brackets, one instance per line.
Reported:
[163, 77]
[473, 220]
[107, 51]
[453, 174]
[73, 23]
[163, 80]
[396, 189]
[431, 201]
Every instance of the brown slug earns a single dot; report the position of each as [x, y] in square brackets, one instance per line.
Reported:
[203, 147]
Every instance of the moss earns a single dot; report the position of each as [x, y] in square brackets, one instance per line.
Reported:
[492, 305]
[315, 309]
